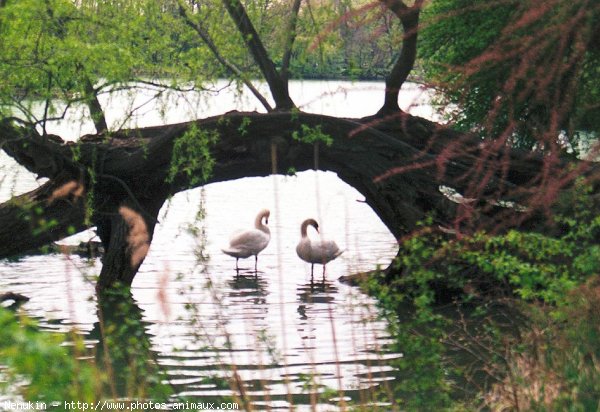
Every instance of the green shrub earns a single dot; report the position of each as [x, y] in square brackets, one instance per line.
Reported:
[39, 364]
[466, 314]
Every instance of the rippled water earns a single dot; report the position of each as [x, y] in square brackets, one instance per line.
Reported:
[274, 328]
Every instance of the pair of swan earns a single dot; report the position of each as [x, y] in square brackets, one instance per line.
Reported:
[246, 243]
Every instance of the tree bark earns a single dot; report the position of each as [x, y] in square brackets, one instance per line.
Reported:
[120, 265]
[409, 17]
[277, 84]
[96, 112]
[31, 220]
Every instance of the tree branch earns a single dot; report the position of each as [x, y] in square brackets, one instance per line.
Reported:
[91, 96]
[42, 155]
[289, 42]
[220, 58]
[409, 17]
[30, 221]
[398, 169]
[95, 107]
[277, 84]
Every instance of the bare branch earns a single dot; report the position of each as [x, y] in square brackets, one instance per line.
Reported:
[95, 107]
[277, 84]
[220, 58]
[409, 17]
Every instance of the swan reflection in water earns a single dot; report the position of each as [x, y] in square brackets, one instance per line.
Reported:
[246, 287]
[313, 293]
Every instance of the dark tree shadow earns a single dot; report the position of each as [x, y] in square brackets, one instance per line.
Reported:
[124, 349]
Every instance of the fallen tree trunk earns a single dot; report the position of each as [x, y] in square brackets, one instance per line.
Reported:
[397, 163]
[32, 220]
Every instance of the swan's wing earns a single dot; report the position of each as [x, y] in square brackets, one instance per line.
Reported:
[318, 251]
[329, 250]
[252, 241]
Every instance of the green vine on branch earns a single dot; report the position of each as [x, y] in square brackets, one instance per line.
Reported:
[191, 156]
[308, 134]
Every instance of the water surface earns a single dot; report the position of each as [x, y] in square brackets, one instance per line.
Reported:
[281, 330]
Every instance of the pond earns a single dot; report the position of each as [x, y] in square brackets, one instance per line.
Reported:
[287, 335]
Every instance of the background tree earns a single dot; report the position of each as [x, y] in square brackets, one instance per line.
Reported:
[525, 72]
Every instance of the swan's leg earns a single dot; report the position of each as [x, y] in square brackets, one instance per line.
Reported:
[236, 264]
[255, 263]
[312, 268]
[324, 271]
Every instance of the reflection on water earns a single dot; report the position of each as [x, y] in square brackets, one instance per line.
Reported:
[123, 348]
[251, 288]
[280, 330]
[287, 337]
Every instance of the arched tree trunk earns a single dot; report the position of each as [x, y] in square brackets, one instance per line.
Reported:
[398, 166]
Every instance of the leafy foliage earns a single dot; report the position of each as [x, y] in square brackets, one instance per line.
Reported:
[48, 367]
[529, 265]
[57, 53]
[525, 72]
[50, 371]
[308, 134]
[191, 155]
[554, 366]
[447, 348]
[331, 39]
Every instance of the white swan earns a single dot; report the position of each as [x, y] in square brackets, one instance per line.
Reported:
[245, 243]
[316, 251]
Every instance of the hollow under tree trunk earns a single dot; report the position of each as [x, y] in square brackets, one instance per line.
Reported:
[397, 165]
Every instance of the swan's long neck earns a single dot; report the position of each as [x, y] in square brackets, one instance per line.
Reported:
[259, 224]
[304, 226]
